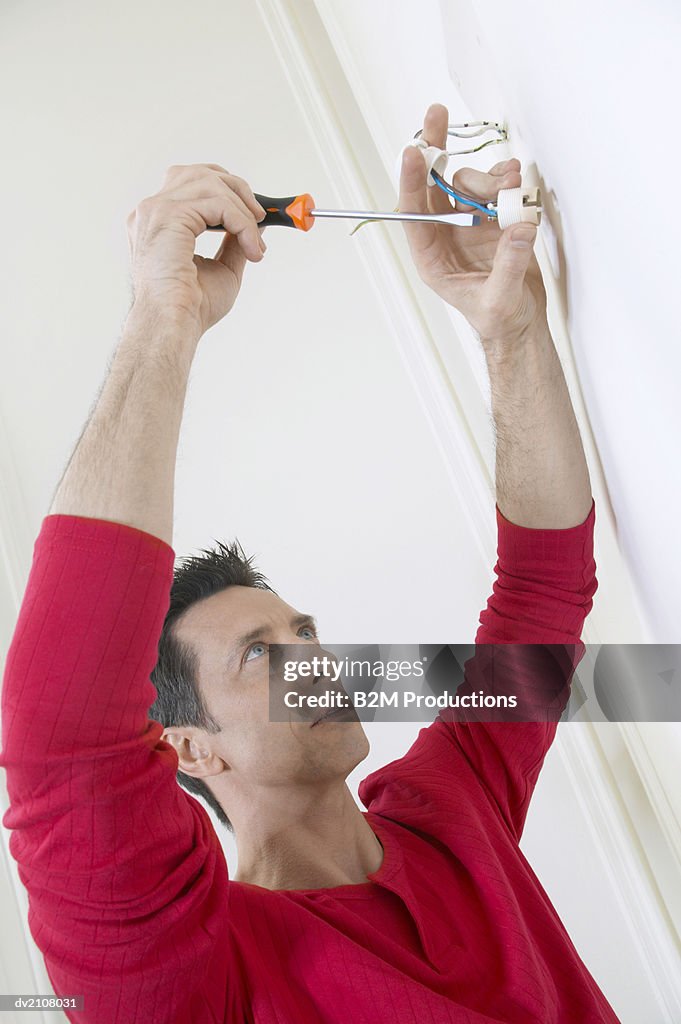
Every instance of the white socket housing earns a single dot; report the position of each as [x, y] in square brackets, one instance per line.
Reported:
[436, 159]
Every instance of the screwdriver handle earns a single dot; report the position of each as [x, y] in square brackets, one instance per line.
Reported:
[288, 212]
[291, 212]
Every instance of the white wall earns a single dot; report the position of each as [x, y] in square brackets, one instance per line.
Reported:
[590, 93]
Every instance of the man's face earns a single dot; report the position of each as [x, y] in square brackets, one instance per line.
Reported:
[231, 633]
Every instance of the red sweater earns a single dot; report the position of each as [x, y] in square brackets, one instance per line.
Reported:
[130, 900]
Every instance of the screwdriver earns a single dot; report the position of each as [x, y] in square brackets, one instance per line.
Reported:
[300, 212]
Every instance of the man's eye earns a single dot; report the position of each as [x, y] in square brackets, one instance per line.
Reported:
[256, 651]
[310, 630]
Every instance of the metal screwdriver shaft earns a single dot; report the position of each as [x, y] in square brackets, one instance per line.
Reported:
[462, 219]
[300, 212]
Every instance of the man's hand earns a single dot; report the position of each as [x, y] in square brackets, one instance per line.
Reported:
[497, 287]
[167, 277]
[123, 467]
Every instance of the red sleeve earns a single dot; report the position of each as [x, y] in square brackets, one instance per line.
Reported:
[120, 864]
[544, 588]
[546, 580]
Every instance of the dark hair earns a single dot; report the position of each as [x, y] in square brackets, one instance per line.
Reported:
[179, 701]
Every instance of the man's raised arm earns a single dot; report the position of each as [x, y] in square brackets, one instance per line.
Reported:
[493, 278]
[123, 467]
[125, 877]
[545, 573]
[545, 512]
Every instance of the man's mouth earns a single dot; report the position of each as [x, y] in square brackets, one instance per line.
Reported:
[346, 714]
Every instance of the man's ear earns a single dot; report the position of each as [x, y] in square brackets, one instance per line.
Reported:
[194, 756]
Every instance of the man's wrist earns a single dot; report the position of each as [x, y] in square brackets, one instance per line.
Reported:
[169, 317]
[504, 348]
[167, 333]
[541, 471]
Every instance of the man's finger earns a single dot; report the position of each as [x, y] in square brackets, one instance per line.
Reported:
[413, 181]
[439, 201]
[231, 255]
[245, 193]
[505, 165]
[227, 209]
[413, 198]
[435, 126]
[483, 187]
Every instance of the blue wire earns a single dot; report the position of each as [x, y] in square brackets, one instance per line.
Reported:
[440, 182]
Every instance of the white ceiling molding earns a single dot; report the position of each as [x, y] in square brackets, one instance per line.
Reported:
[607, 784]
[655, 748]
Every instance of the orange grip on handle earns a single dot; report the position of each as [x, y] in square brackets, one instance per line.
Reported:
[290, 212]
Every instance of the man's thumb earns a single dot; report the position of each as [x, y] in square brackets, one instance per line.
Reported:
[231, 255]
[511, 261]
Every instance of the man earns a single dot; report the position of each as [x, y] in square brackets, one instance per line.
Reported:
[421, 909]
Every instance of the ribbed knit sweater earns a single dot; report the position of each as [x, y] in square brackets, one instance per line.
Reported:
[130, 899]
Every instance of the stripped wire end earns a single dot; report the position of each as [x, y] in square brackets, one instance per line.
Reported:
[363, 222]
